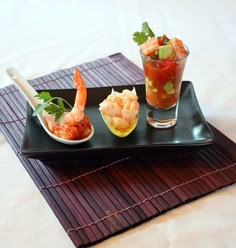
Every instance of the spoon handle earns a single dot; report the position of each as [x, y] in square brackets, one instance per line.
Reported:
[26, 89]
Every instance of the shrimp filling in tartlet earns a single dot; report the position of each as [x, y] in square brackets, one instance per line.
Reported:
[120, 112]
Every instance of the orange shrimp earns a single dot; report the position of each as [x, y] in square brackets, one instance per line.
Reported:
[178, 47]
[149, 47]
[74, 124]
[120, 111]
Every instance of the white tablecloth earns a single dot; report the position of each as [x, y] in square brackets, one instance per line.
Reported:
[41, 36]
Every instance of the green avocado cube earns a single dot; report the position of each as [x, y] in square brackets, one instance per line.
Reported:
[168, 86]
[164, 51]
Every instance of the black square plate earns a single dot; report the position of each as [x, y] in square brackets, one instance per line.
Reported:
[191, 129]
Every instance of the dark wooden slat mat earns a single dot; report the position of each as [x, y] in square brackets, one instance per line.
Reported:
[97, 198]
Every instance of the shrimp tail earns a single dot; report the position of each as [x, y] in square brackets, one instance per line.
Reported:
[81, 94]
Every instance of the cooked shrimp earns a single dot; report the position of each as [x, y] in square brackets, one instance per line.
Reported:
[178, 47]
[74, 124]
[120, 111]
[149, 47]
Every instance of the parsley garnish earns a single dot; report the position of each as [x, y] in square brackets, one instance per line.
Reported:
[147, 30]
[141, 37]
[52, 105]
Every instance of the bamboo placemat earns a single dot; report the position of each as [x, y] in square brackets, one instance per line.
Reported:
[97, 198]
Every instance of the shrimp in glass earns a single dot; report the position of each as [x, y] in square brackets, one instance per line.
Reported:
[178, 47]
[120, 112]
[73, 125]
[149, 47]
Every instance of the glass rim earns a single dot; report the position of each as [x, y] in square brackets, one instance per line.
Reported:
[174, 60]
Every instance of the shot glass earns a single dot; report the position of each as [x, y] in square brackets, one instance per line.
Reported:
[163, 79]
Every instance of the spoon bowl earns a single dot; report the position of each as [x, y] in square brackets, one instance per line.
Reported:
[29, 92]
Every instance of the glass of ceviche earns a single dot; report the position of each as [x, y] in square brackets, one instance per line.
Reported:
[163, 62]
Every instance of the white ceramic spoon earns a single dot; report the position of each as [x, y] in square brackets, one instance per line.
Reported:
[29, 92]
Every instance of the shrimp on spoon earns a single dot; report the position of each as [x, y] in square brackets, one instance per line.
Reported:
[73, 125]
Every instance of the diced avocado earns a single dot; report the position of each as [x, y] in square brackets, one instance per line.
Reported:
[164, 51]
[168, 86]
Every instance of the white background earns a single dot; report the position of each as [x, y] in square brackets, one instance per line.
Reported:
[41, 36]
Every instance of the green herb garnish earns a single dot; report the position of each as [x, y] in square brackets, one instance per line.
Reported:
[141, 37]
[147, 30]
[52, 105]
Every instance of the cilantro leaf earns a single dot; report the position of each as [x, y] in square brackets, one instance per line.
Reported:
[140, 37]
[52, 105]
[60, 103]
[44, 96]
[147, 30]
[40, 107]
[58, 116]
[54, 109]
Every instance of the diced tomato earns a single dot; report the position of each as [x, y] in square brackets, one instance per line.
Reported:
[160, 41]
[163, 40]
